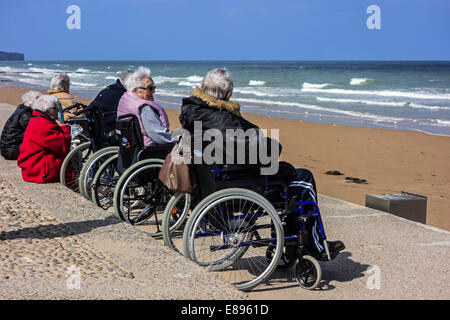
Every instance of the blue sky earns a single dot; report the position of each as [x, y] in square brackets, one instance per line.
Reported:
[226, 30]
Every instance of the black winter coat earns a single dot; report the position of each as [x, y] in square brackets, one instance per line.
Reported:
[108, 101]
[13, 131]
[221, 115]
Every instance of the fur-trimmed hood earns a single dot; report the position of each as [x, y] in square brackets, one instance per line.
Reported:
[233, 107]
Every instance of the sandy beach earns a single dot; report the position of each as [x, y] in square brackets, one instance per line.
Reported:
[390, 160]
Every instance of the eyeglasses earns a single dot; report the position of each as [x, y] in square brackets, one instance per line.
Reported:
[150, 88]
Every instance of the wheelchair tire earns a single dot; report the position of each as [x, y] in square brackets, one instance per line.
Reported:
[140, 195]
[308, 273]
[104, 183]
[92, 164]
[235, 243]
[73, 164]
[173, 219]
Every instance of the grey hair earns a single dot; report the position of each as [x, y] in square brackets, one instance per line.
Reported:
[45, 103]
[29, 97]
[124, 75]
[60, 82]
[135, 79]
[218, 83]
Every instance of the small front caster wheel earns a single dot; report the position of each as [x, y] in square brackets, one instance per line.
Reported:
[308, 273]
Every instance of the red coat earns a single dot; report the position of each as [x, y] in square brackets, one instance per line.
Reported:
[45, 145]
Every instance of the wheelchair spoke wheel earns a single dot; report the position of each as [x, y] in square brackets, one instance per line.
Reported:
[90, 168]
[230, 231]
[308, 273]
[73, 164]
[140, 197]
[174, 219]
[104, 183]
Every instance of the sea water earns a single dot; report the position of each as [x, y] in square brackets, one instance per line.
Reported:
[395, 95]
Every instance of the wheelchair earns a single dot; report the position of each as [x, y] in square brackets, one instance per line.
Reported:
[130, 179]
[232, 227]
[78, 166]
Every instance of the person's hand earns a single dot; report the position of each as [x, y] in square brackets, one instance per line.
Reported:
[59, 123]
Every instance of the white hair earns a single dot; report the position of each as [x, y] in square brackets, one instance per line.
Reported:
[135, 79]
[29, 97]
[60, 82]
[124, 75]
[218, 83]
[45, 103]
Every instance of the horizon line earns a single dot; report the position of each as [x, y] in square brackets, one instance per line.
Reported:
[237, 60]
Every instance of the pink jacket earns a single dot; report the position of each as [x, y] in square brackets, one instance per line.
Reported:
[131, 103]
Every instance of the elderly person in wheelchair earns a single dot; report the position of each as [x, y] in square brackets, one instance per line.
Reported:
[210, 104]
[139, 101]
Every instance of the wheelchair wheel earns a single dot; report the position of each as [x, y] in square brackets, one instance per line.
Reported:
[308, 273]
[140, 195]
[230, 231]
[173, 220]
[92, 164]
[104, 183]
[73, 164]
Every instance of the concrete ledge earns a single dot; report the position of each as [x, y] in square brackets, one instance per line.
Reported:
[386, 257]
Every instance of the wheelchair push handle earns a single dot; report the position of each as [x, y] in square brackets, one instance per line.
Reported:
[77, 106]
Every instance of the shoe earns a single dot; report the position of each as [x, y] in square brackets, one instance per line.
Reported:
[334, 248]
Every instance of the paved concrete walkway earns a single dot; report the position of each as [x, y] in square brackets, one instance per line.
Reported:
[386, 257]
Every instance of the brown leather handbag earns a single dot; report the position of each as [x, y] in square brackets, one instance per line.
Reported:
[175, 172]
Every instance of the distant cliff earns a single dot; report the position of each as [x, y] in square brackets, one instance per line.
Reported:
[11, 56]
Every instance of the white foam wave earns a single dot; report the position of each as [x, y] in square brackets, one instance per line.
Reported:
[84, 84]
[256, 83]
[187, 84]
[162, 79]
[110, 78]
[12, 70]
[359, 81]
[81, 70]
[37, 82]
[32, 75]
[194, 78]
[255, 93]
[363, 115]
[382, 93]
[45, 70]
[383, 103]
[443, 122]
[307, 85]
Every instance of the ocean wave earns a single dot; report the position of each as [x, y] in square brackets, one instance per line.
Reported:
[81, 70]
[187, 84]
[255, 93]
[32, 75]
[307, 85]
[45, 70]
[383, 103]
[8, 69]
[256, 83]
[443, 122]
[110, 78]
[84, 84]
[355, 114]
[162, 79]
[359, 81]
[382, 93]
[194, 78]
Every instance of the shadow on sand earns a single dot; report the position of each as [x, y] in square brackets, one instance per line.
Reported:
[341, 269]
[51, 231]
